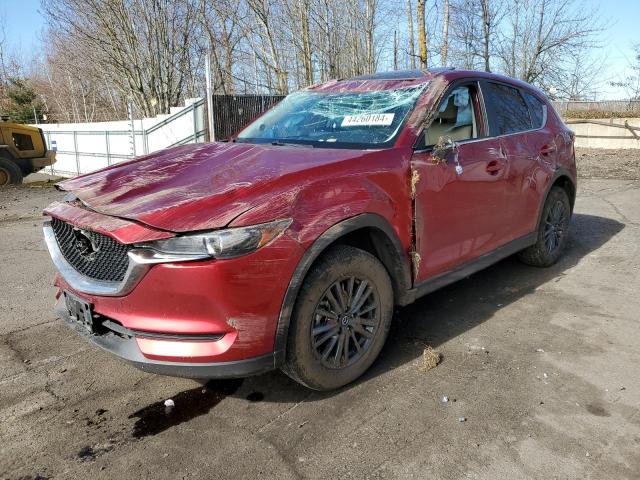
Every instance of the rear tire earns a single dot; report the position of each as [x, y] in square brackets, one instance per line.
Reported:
[9, 172]
[340, 320]
[552, 232]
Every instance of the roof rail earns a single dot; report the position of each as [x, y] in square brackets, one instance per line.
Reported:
[402, 74]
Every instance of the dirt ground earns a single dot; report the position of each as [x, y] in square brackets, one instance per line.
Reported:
[623, 164]
[542, 364]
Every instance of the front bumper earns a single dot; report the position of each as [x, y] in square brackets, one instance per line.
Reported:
[126, 344]
[239, 299]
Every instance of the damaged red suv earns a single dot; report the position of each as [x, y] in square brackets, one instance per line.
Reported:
[288, 246]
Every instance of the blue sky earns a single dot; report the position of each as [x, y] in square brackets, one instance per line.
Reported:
[24, 23]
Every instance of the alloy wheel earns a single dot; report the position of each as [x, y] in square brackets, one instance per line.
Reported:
[346, 320]
[555, 226]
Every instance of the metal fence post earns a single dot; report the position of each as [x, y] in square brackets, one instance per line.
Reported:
[194, 119]
[132, 129]
[145, 139]
[106, 138]
[53, 172]
[211, 129]
[75, 148]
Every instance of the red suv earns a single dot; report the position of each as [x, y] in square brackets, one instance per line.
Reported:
[288, 246]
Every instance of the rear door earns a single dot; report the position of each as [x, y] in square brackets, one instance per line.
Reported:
[529, 148]
[458, 213]
[536, 173]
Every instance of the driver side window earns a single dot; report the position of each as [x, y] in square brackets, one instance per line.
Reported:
[455, 117]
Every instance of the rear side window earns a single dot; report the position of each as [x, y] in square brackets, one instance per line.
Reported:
[537, 109]
[507, 110]
[22, 141]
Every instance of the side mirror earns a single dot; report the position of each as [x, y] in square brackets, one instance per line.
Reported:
[443, 149]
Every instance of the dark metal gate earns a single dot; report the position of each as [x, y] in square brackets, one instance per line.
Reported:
[232, 112]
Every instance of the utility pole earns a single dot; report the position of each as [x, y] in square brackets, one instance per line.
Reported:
[35, 115]
[210, 120]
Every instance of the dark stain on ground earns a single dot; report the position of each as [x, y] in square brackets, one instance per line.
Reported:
[597, 410]
[90, 453]
[255, 397]
[189, 404]
[97, 418]
[86, 453]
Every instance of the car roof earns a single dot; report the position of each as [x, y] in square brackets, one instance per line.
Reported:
[406, 78]
[402, 74]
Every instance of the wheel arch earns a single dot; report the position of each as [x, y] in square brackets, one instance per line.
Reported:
[367, 231]
[563, 179]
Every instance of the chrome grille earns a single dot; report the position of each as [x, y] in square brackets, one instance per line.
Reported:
[92, 254]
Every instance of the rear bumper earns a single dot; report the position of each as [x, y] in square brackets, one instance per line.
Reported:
[125, 344]
[39, 163]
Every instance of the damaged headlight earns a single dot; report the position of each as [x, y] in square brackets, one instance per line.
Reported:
[228, 243]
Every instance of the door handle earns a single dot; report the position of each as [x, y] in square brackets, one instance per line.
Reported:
[493, 167]
[547, 150]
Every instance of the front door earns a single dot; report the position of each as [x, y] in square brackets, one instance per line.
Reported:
[459, 206]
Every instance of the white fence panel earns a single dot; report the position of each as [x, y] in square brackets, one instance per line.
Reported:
[86, 147]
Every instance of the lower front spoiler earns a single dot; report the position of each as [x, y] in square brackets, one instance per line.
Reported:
[126, 348]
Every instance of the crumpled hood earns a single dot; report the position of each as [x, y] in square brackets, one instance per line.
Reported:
[199, 187]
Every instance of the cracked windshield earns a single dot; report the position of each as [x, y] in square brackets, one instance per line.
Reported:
[335, 119]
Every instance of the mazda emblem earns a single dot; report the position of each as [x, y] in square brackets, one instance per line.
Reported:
[83, 244]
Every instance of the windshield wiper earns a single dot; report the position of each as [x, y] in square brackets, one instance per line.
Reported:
[290, 144]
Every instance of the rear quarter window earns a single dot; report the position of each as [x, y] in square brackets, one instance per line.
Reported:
[537, 109]
[507, 110]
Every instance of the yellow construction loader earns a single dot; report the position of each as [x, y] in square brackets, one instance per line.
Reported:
[23, 150]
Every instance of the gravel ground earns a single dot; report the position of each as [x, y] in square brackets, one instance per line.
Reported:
[541, 363]
[623, 164]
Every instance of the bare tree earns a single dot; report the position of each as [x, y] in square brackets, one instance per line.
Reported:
[369, 29]
[101, 52]
[221, 21]
[543, 40]
[303, 11]
[263, 12]
[412, 47]
[444, 49]
[143, 46]
[465, 34]
[631, 79]
[490, 19]
[9, 65]
[422, 34]
[395, 50]
[72, 88]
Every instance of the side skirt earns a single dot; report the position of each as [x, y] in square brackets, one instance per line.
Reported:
[473, 266]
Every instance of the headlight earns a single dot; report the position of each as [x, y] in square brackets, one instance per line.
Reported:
[229, 243]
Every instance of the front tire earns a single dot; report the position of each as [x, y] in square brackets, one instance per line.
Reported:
[552, 231]
[341, 319]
